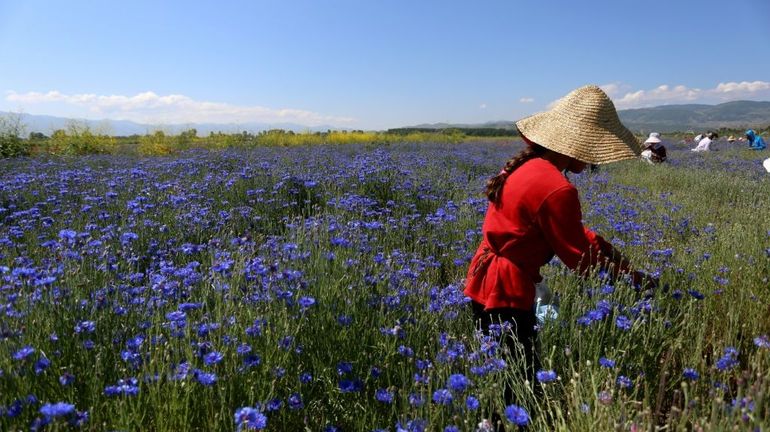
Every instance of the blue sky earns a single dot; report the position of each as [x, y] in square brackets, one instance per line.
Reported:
[372, 64]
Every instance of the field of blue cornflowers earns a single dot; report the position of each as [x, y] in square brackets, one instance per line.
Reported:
[320, 288]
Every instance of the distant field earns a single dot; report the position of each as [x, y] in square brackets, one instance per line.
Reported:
[320, 288]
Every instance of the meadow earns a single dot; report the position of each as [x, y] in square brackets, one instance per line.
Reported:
[319, 288]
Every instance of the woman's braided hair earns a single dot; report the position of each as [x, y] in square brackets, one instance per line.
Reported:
[495, 184]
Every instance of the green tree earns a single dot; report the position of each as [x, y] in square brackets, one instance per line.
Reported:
[155, 144]
[11, 129]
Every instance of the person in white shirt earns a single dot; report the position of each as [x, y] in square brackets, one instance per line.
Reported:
[697, 138]
[705, 143]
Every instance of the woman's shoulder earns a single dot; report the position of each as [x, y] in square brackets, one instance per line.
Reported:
[544, 172]
[537, 179]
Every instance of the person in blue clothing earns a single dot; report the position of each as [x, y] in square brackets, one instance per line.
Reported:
[755, 141]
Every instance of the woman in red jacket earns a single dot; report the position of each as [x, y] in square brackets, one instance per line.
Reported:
[534, 213]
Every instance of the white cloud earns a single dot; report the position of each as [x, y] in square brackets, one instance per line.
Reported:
[483, 106]
[745, 86]
[624, 97]
[615, 89]
[149, 107]
[666, 94]
[526, 100]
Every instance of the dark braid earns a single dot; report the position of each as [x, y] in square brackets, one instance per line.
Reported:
[495, 184]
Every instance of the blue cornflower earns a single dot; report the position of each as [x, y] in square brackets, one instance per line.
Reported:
[306, 302]
[252, 360]
[545, 376]
[472, 403]
[305, 377]
[250, 418]
[517, 415]
[607, 289]
[696, 294]
[423, 364]
[762, 341]
[729, 360]
[79, 419]
[14, 409]
[58, 409]
[176, 316]
[128, 387]
[344, 368]
[66, 379]
[41, 365]
[351, 386]
[690, 374]
[185, 307]
[85, 327]
[596, 314]
[135, 342]
[128, 237]
[416, 399]
[213, 358]
[442, 397]
[286, 342]
[421, 378]
[458, 382]
[384, 395]
[416, 425]
[624, 381]
[605, 362]
[205, 328]
[23, 353]
[68, 235]
[623, 322]
[405, 351]
[295, 401]
[451, 428]
[274, 404]
[205, 378]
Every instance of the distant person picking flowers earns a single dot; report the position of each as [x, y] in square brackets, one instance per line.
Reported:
[654, 151]
[534, 213]
[755, 141]
[704, 144]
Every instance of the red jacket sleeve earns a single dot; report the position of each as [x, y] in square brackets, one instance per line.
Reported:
[561, 222]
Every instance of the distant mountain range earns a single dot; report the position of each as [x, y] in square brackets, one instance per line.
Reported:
[48, 124]
[500, 124]
[665, 118]
[669, 118]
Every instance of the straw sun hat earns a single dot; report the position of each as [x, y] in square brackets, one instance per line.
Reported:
[583, 125]
[654, 138]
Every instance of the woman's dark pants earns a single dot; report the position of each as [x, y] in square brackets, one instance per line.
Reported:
[524, 333]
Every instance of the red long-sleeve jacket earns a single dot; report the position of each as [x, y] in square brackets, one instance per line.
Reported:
[538, 216]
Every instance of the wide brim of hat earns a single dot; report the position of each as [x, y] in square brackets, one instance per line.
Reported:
[652, 140]
[585, 141]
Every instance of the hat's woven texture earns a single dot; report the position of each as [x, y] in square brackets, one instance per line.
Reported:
[583, 125]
